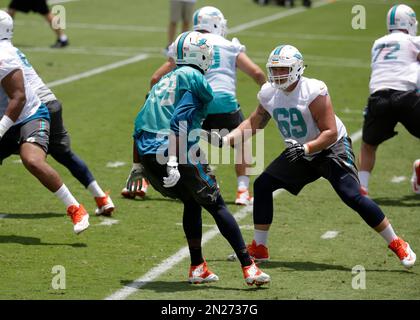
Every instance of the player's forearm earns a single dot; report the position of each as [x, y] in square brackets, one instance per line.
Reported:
[136, 157]
[173, 146]
[238, 133]
[167, 67]
[324, 140]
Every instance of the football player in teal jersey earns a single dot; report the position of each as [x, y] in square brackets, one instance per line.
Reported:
[166, 152]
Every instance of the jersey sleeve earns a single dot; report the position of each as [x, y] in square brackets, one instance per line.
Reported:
[317, 88]
[201, 89]
[7, 65]
[416, 43]
[265, 94]
[238, 46]
[184, 113]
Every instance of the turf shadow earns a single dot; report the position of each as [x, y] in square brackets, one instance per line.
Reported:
[32, 241]
[408, 201]
[315, 266]
[184, 286]
[41, 215]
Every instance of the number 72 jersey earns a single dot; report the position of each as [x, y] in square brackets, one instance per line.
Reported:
[394, 63]
[291, 110]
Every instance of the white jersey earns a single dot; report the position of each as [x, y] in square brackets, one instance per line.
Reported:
[43, 92]
[291, 110]
[222, 74]
[394, 63]
[8, 63]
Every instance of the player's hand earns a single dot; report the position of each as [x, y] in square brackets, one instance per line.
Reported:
[214, 138]
[134, 180]
[173, 173]
[294, 150]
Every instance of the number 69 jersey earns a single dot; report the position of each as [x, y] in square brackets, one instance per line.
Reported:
[394, 63]
[291, 110]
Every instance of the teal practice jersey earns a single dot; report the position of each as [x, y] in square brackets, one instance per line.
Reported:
[179, 97]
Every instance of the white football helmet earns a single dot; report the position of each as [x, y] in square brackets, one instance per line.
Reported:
[402, 17]
[192, 48]
[285, 56]
[6, 26]
[211, 20]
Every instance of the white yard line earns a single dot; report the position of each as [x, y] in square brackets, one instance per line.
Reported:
[330, 235]
[107, 222]
[115, 164]
[307, 36]
[399, 179]
[99, 70]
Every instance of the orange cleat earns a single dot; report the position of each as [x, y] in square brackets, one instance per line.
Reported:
[105, 206]
[201, 274]
[80, 218]
[258, 252]
[253, 275]
[243, 198]
[403, 251]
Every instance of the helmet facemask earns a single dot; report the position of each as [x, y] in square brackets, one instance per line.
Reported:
[284, 67]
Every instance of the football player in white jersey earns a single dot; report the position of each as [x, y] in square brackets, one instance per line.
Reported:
[224, 111]
[393, 84]
[59, 139]
[25, 128]
[317, 146]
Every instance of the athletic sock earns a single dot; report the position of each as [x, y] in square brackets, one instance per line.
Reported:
[243, 183]
[261, 237]
[388, 234]
[95, 189]
[65, 195]
[364, 178]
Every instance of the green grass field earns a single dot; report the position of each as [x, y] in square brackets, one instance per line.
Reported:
[36, 235]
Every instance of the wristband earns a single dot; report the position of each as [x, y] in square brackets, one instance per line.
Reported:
[5, 124]
[136, 166]
[306, 147]
[172, 160]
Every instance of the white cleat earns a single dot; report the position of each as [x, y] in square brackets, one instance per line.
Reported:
[403, 251]
[201, 274]
[80, 218]
[105, 206]
[243, 198]
[253, 275]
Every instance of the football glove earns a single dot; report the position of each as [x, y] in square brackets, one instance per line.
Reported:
[173, 173]
[294, 150]
[134, 180]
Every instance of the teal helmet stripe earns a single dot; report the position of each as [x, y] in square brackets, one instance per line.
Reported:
[195, 18]
[180, 53]
[277, 50]
[392, 16]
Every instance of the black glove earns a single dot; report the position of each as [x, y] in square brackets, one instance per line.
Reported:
[294, 150]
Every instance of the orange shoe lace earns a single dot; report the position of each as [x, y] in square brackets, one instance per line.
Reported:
[102, 201]
[76, 213]
[399, 247]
